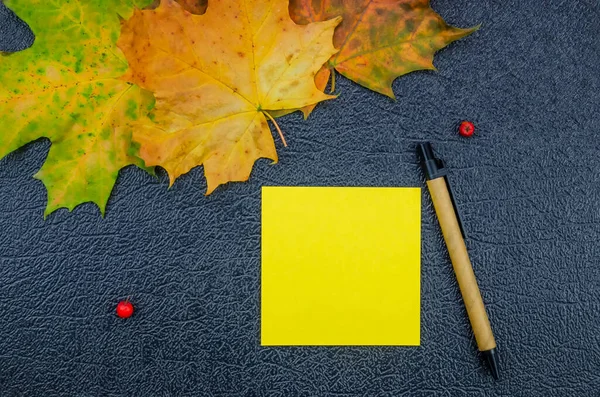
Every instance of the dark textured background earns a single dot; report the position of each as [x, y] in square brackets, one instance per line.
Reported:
[15, 35]
[528, 185]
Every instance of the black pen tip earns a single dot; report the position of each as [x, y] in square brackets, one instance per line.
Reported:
[491, 356]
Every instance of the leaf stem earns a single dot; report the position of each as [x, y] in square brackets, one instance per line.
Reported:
[332, 81]
[278, 129]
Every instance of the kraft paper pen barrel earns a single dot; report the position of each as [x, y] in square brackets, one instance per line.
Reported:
[447, 214]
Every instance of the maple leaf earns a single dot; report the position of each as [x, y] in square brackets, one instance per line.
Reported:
[379, 40]
[216, 78]
[66, 88]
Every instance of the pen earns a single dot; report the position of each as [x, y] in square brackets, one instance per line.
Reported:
[447, 214]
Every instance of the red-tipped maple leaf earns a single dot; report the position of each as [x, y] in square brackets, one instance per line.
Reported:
[379, 40]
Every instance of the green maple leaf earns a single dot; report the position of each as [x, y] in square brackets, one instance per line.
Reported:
[67, 88]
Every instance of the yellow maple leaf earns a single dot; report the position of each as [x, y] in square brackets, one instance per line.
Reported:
[216, 78]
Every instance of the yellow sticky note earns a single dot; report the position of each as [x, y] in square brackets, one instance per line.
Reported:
[340, 266]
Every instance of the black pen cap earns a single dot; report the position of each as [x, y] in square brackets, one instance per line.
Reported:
[432, 166]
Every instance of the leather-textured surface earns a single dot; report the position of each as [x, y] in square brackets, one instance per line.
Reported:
[528, 186]
[15, 35]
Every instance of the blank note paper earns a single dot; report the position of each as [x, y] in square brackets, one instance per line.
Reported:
[340, 266]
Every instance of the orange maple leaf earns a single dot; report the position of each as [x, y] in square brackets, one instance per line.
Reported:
[379, 40]
[216, 78]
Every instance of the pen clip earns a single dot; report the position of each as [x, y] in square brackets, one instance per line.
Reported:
[456, 210]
